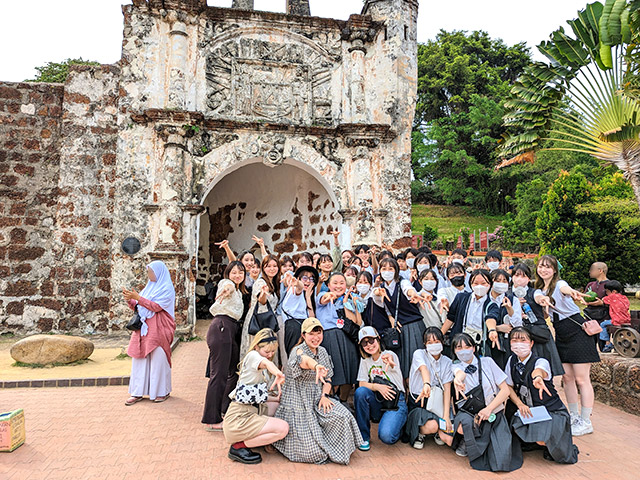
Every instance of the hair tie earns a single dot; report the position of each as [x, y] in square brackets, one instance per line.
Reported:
[559, 264]
[268, 339]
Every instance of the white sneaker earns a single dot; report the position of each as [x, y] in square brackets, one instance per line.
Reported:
[575, 418]
[585, 428]
[419, 443]
[438, 440]
[576, 426]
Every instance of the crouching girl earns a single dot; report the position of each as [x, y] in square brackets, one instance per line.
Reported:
[531, 385]
[482, 431]
[246, 423]
[430, 392]
[379, 370]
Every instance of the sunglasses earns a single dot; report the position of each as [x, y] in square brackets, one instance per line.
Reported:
[368, 341]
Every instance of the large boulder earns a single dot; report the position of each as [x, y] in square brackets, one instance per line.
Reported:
[48, 349]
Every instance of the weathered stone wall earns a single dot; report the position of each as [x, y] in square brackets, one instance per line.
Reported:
[137, 150]
[616, 382]
[30, 118]
[58, 166]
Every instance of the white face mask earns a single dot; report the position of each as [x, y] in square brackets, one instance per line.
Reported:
[493, 265]
[363, 288]
[480, 290]
[520, 281]
[429, 285]
[411, 262]
[520, 292]
[434, 348]
[422, 267]
[458, 261]
[521, 349]
[500, 287]
[388, 275]
[465, 355]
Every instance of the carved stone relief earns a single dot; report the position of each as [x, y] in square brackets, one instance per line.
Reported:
[255, 79]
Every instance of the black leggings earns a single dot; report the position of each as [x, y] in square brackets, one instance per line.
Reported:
[223, 365]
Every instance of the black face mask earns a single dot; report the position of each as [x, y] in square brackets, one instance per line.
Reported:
[457, 281]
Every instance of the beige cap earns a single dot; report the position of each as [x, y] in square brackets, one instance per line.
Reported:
[309, 324]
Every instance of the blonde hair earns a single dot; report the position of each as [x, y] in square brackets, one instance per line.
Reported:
[258, 339]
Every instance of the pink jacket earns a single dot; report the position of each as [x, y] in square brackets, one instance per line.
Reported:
[161, 329]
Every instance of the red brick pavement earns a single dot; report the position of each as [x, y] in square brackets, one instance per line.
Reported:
[88, 433]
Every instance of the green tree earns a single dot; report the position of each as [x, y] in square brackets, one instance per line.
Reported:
[578, 98]
[582, 222]
[462, 81]
[57, 72]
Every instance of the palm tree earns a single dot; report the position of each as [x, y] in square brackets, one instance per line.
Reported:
[578, 100]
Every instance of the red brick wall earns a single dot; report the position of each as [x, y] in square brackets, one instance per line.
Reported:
[30, 116]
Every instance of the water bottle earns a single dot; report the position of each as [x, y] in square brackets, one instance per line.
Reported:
[529, 313]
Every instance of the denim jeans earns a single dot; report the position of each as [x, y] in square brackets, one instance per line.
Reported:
[391, 421]
[604, 334]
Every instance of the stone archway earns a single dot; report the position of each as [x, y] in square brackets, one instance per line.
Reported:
[292, 208]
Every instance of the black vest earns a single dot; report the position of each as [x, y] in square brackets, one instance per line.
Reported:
[537, 309]
[375, 316]
[552, 403]
[407, 312]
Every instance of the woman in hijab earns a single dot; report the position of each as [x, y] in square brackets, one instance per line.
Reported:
[150, 347]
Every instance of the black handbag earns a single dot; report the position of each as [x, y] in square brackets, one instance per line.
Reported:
[263, 320]
[539, 333]
[349, 327]
[475, 397]
[135, 323]
[386, 404]
[390, 337]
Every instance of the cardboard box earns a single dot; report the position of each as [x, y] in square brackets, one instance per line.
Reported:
[12, 432]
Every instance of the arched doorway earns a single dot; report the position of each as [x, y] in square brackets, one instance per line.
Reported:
[286, 205]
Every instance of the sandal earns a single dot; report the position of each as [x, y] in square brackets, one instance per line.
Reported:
[161, 399]
[131, 400]
[211, 428]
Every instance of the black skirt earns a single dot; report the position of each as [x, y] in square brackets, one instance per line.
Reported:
[344, 356]
[574, 345]
[418, 416]
[411, 340]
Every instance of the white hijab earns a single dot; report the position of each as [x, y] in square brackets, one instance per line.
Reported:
[161, 292]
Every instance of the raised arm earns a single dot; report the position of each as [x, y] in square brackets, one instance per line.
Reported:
[227, 250]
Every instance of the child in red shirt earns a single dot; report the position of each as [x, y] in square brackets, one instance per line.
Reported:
[618, 310]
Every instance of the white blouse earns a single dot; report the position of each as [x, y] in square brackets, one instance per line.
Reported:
[231, 305]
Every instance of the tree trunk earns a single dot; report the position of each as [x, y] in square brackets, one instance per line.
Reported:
[634, 180]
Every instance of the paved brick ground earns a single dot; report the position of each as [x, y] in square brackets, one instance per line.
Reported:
[88, 433]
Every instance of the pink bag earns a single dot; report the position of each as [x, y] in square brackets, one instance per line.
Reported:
[590, 326]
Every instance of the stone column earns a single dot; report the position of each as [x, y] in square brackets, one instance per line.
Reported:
[298, 7]
[242, 4]
[176, 91]
[360, 173]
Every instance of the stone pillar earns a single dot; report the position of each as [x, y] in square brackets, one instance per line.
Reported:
[298, 7]
[242, 4]
[358, 106]
[176, 91]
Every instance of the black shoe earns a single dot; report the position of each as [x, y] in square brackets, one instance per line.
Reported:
[244, 455]
[547, 455]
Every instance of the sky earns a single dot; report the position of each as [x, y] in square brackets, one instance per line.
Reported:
[35, 32]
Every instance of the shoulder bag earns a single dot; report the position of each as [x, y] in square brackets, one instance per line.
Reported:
[386, 404]
[136, 321]
[263, 320]
[391, 336]
[475, 397]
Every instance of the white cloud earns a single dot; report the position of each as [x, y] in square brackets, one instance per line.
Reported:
[39, 31]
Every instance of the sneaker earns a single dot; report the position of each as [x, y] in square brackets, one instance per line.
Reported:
[576, 425]
[575, 418]
[461, 451]
[419, 443]
[585, 428]
[365, 446]
[438, 440]
[607, 348]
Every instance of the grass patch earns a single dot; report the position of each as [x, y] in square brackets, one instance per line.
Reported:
[49, 365]
[122, 356]
[191, 339]
[450, 219]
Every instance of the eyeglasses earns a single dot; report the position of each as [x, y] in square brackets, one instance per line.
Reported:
[368, 341]
[306, 278]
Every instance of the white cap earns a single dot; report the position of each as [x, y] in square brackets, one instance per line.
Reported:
[367, 332]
